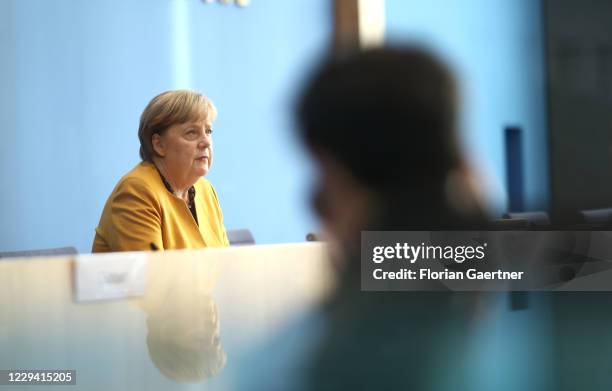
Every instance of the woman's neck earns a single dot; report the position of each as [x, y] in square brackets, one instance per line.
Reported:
[178, 189]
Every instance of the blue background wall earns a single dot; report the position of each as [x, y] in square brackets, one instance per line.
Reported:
[496, 48]
[76, 75]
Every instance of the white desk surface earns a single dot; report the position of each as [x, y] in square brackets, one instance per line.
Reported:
[201, 312]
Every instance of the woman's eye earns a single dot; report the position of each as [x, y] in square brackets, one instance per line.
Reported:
[209, 131]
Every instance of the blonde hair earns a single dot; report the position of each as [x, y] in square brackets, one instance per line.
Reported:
[171, 108]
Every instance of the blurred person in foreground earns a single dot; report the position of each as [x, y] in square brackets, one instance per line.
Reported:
[381, 127]
[164, 202]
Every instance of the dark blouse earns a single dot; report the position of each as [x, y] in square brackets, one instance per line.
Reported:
[190, 203]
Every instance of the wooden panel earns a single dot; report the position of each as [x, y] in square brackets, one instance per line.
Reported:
[358, 24]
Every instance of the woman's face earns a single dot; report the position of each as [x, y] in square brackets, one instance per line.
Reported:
[186, 151]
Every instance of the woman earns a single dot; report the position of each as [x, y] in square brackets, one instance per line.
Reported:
[163, 202]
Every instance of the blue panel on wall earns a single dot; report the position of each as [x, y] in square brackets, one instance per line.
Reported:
[514, 168]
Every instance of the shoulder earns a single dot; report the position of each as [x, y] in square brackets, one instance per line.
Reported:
[143, 171]
[203, 185]
[206, 192]
[143, 180]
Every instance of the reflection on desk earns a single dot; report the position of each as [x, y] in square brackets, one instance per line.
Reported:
[201, 310]
[182, 321]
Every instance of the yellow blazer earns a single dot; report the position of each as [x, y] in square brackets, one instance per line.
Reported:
[141, 211]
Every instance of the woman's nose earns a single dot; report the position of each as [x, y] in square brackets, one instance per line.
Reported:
[204, 142]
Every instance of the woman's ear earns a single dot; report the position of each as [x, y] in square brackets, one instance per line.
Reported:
[158, 145]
